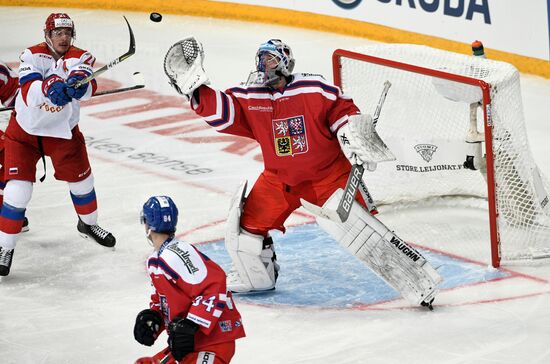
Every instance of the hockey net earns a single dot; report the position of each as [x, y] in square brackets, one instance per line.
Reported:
[442, 107]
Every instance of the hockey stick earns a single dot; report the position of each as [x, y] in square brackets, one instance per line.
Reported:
[138, 80]
[113, 63]
[357, 170]
[355, 178]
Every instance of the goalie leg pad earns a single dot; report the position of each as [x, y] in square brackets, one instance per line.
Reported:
[392, 259]
[254, 261]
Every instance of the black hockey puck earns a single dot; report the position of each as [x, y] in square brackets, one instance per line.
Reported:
[156, 17]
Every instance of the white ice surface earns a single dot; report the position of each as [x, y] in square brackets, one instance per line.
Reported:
[70, 301]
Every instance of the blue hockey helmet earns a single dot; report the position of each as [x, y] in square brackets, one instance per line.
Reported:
[160, 214]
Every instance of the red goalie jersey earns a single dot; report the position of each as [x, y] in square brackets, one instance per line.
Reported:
[295, 127]
[188, 284]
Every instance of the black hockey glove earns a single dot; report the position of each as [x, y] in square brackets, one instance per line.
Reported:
[181, 337]
[148, 326]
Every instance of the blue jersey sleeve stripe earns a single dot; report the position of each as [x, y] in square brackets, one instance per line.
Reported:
[324, 86]
[225, 107]
[251, 90]
[30, 77]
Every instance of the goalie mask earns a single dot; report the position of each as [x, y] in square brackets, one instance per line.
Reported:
[274, 60]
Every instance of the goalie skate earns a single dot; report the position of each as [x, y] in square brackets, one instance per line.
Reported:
[98, 234]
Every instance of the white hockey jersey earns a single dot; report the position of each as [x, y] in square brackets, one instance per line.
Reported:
[36, 114]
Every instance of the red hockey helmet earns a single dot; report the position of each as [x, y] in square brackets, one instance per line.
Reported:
[58, 20]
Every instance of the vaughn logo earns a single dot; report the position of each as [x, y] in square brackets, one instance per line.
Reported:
[405, 249]
[347, 4]
[426, 151]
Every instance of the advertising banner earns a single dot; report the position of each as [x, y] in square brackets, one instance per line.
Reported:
[520, 27]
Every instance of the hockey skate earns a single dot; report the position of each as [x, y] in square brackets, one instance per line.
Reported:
[100, 235]
[428, 303]
[25, 226]
[6, 257]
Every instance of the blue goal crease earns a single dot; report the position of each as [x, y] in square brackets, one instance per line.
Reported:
[317, 272]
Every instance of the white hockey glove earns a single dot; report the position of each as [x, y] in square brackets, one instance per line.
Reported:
[183, 66]
[361, 143]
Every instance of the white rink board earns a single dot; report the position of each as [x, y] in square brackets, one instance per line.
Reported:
[520, 27]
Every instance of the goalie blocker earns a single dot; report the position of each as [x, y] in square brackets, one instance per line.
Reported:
[387, 255]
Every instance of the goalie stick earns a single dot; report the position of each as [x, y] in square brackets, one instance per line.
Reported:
[139, 82]
[356, 174]
[131, 51]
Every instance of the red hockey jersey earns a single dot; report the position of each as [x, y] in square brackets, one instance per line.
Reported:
[9, 84]
[188, 284]
[295, 127]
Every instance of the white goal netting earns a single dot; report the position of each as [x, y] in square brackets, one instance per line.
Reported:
[426, 121]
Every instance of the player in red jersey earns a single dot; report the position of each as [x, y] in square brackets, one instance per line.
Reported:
[309, 132]
[189, 300]
[296, 119]
[9, 86]
[45, 123]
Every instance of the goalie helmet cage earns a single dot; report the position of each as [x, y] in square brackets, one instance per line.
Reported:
[438, 101]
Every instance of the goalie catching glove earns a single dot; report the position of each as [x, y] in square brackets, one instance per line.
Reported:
[361, 143]
[183, 66]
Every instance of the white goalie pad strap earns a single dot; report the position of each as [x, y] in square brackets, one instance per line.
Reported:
[363, 140]
[233, 226]
[183, 66]
[392, 259]
[252, 262]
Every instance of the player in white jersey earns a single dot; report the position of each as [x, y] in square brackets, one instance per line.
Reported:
[46, 124]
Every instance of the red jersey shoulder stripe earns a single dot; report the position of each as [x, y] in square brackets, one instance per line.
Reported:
[40, 48]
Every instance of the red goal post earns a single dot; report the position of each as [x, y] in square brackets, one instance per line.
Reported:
[439, 93]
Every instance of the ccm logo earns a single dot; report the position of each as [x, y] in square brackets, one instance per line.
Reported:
[206, 357]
